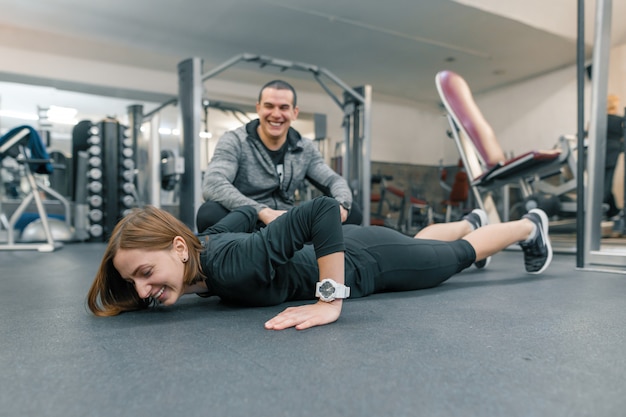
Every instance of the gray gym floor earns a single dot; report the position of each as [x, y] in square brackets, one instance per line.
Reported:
[486, 343]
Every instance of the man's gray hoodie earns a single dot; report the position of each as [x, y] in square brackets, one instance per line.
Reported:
[241, 172]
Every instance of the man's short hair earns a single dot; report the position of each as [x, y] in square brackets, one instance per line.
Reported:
[279, 85]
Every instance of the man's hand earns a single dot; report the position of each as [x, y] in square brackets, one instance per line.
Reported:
[304, 317]
[344, 214]
[268, 215]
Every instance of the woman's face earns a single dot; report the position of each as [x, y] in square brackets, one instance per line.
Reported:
[154, 273]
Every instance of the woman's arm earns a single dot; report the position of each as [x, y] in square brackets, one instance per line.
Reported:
[248, 270]
[302, 317]
[327, 238]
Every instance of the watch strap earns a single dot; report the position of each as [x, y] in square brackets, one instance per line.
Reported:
[341, 291]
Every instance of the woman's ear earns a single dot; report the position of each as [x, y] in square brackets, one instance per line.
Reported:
[180, 246]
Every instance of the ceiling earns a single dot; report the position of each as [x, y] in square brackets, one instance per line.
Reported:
[396, 46]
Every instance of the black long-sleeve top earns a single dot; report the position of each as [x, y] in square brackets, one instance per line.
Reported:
[274, 264]
[279, 262]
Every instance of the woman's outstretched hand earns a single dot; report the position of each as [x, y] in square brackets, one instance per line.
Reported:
[304, 317]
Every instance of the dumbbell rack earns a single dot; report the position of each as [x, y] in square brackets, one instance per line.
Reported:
[110, 178]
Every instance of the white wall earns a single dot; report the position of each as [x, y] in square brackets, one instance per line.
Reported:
[528, 115]
[533, 114]
[401, 132]
[555, 16]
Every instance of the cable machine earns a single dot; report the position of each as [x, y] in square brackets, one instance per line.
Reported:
[355, 105]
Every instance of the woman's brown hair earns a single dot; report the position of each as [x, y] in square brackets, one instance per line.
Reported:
[146, 228]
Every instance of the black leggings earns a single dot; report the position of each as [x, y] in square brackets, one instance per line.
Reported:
[390, 261]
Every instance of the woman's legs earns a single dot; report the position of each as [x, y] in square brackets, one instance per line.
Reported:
[386, 260]
[445, 231]
[382, 259]
[449, 232]
[493, 238]
[531, 232]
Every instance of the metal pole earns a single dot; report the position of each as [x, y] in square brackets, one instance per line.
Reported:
[263, 61]
[355, 151]
[190, 104]
[624, 175]
[223, 67]
[366, 157]
[346, 163]
[170, 102]
[153, 147]
[330, 93]
[580, 171]
[597, 131]
[135, 118]
[343, 85]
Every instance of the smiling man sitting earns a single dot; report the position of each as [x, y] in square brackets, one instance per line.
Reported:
[263, 163]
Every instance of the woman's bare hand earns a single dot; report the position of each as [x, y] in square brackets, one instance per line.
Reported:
[304, 317]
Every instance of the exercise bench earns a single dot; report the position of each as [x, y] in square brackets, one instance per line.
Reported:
[24, 144]
[487, 166]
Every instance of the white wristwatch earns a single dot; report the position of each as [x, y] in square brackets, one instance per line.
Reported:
[328, 290]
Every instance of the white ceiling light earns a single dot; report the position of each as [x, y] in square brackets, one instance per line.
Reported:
[18, 115]
[62, 115]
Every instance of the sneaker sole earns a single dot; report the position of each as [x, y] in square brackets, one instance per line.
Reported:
[484, 263]
[546, 239]
[484, 221]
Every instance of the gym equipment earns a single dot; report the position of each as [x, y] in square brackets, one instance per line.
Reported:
[35, 231]
[105, 177]
[458, 195]
[185, 169]
[24, 144]
[61, 229]
[487, 167]
[392, 204]
[395, 201]
[420, 215]
[590, 253]
[170, 173]
[356, 108]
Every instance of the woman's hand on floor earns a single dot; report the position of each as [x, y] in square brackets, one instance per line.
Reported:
[304, 317]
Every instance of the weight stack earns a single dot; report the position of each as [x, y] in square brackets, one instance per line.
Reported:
[110, 174]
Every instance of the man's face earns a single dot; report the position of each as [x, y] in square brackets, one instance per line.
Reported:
[276, 112]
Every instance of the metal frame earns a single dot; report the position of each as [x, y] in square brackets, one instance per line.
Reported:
[356, 108]
[190, 105]
[9, 223]
[595, 256]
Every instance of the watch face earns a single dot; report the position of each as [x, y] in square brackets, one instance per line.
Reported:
[327, 289]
